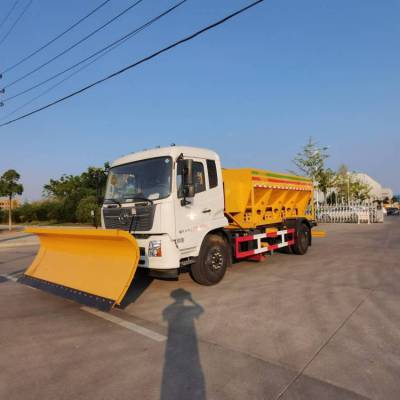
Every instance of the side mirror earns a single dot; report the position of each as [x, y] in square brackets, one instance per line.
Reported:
[187, 181]
[188, 190]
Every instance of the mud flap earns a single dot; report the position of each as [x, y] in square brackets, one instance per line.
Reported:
[93, 267]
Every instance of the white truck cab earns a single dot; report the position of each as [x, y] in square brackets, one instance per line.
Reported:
[169, 198]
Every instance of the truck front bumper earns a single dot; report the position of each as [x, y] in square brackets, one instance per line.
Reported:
[170, 254]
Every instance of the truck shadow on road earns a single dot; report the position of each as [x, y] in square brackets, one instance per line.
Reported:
[140, 283]
[183, 376]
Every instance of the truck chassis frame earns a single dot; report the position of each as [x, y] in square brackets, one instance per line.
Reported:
[253, 246]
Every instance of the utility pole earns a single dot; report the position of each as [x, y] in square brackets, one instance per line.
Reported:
[9, 213]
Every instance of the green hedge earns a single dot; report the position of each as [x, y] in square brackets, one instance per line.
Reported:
[55, 211]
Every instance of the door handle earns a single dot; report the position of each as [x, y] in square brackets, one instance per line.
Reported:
[207, 210]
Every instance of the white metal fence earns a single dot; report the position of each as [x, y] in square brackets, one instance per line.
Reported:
[351, 213]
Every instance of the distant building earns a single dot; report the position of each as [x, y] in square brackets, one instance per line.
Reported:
[5, 203]
[377, 192]
[387, 193]
[376, 188]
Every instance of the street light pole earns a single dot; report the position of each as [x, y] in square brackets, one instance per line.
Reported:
[348, 189]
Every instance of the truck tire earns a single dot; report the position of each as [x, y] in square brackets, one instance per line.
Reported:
[211, 264]
[302, 240]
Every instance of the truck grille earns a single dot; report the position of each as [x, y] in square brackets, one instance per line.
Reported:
[121, 217]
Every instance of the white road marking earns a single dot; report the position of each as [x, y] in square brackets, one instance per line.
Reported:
[126, 324]
[112, 318]
[10, 277]
[8, 245]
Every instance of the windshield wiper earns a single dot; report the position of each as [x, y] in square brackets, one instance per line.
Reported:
[114, 201]
[140, 198]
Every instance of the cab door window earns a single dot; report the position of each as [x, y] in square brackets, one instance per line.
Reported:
[212, 174]
[199, 179]
[197, 175]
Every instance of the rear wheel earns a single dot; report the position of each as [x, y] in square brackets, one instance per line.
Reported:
[212, 262]
[300, 246]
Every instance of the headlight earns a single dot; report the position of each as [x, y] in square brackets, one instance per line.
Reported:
[155, 248]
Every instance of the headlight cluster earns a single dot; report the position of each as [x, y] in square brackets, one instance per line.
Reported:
[155, 248]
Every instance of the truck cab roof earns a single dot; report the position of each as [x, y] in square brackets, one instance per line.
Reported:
[172, 151]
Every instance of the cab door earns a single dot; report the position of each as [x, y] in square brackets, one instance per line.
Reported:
[192, 219]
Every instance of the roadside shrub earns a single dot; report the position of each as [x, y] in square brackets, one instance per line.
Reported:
[25, 213]
[85, 208]
[55, 211]
[39, 211]
[4, 216]
[15, 216]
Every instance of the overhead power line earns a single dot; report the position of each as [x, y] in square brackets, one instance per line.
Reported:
[137, 63]
[53, 86]
[74, 45]
[50, 88]
[111, 46]
[11, 67]
[9, 13]
[101, 53]
[24, 10]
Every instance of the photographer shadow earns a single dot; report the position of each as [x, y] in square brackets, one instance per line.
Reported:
[183, 376]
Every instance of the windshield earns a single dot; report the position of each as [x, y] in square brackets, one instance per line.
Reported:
[149, 179]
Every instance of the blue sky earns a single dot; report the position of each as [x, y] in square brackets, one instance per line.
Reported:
[254, 89]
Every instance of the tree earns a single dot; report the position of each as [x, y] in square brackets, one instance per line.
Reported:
[44, 210]
[310, 161]
[10, 187]
[332, 198]
[343, 184]
[349, 187]
[359, 191]
[27, 212]
[70, 190]
[326, 179]
[88, 211]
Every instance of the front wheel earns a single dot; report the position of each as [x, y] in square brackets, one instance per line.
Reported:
[214, 258]
[302, 242]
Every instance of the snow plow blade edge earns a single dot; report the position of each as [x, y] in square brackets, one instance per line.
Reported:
[93, 267]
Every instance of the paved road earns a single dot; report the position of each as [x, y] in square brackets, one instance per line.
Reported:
[4, 231]
[321, 326]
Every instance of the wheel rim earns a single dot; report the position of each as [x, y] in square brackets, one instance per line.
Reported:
[215, 259]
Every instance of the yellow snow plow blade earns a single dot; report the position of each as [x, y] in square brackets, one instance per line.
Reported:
[94, 267]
